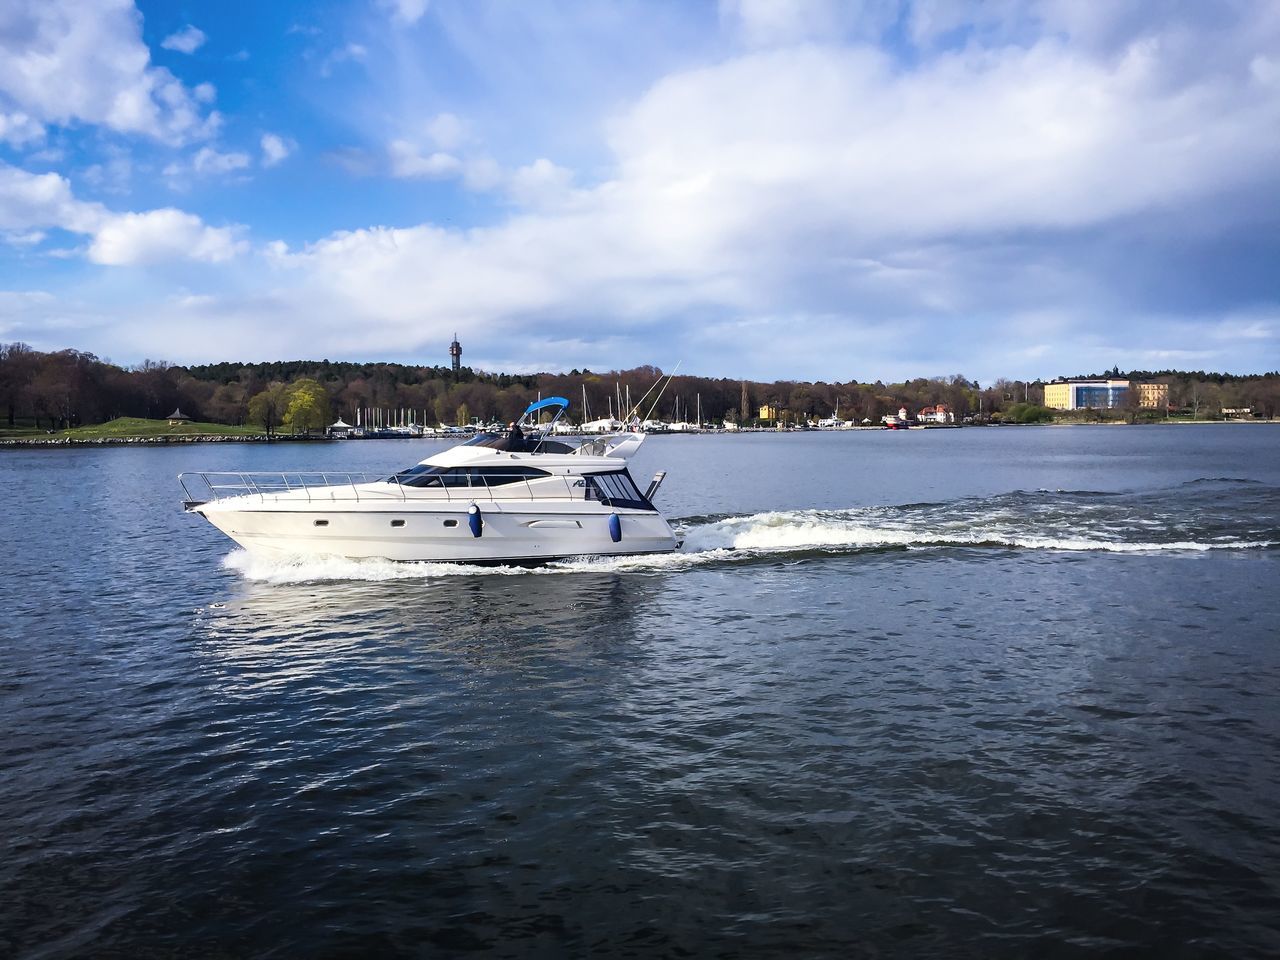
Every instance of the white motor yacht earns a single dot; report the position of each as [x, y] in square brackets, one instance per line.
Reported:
[496, 498]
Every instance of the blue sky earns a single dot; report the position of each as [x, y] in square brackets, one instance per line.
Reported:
[766, 188]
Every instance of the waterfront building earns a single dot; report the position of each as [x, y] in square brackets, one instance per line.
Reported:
[177, 418]
[1103, 394]
[1153, 396]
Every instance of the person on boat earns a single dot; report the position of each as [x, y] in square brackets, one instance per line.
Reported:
[515, 436]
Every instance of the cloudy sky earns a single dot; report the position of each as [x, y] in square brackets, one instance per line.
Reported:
[765, 188]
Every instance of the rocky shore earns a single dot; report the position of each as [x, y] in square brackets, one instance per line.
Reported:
[55, 441]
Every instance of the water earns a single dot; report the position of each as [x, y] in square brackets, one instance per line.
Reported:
[978, 693]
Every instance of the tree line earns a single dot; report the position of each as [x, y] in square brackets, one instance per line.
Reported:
[66, 388]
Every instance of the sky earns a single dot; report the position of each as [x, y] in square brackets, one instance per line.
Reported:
[772, 189]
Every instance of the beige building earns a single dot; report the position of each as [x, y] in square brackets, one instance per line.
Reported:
[1153, 396]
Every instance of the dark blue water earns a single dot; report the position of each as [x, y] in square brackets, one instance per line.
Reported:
[972, 693]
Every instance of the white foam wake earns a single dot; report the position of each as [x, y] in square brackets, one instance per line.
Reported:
[855, 530]
[744, 538]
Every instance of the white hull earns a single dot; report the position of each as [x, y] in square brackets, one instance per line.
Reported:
[441, 532]
[492, 499]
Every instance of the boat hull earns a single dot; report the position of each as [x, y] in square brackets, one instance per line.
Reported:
[417, 533]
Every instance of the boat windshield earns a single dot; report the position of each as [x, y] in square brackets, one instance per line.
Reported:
[617, 489]
[530, 444]
[495, 440]
[495, 476]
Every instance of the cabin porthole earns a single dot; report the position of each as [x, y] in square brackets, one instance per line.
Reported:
[397, 523]
[320, 523]
[451, 523]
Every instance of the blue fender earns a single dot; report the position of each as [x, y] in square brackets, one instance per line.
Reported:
[474, 520]
[615, 528]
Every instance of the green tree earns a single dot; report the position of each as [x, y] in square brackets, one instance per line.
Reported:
[1028, 413]
[307, 406]
[268, 407]
[464, 415]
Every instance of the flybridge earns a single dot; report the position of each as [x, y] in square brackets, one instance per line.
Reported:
[560, 402]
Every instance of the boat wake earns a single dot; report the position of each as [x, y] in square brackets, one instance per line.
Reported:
[1197, 517]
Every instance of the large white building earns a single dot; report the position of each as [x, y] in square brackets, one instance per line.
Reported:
[1103, 394]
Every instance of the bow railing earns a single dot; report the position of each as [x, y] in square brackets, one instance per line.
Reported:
[335, 486]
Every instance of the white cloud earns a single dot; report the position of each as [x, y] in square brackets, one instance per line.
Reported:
[23, 238]
[34, 202]
[481, 172]
[541, 184]
[161, 235]
[205, 162]
[63, 61]
[17, 129]
[444, 149]
[811, 139]
[205, 92]
[275, 149]
[476, 171]
[447, 131]
[408, 162]
[210, 161]
[187, 40]
[405, 11]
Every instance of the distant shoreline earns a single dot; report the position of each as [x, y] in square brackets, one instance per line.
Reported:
[59, 443]
[63, 442]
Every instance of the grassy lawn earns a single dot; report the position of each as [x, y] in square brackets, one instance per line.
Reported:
[127, 427]
[19, 433]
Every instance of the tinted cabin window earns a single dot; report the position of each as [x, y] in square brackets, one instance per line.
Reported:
[498, 476]
[616, 489]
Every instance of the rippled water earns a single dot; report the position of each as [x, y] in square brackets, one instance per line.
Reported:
[952, 693]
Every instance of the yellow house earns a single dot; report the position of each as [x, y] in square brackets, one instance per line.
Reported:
[1153, 396]
[770, 412]
[1057, 396]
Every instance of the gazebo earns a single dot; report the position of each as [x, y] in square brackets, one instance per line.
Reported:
[177, 418]
[340, 429]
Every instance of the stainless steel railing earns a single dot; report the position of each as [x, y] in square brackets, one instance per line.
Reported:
[326, 486]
